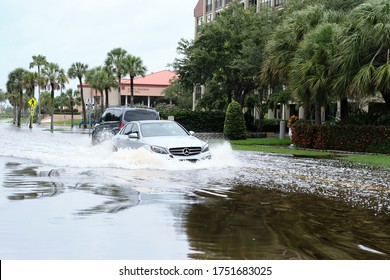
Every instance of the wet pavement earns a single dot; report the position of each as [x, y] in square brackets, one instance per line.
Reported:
[62, 198]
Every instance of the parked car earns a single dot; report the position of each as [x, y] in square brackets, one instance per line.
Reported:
[114, 118]
[168, 139]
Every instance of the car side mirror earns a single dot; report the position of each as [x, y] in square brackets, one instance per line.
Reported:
[133, 135]
[191, 133]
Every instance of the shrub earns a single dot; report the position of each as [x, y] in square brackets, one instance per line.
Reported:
[234, 127]
[198, 121]
[354, 138]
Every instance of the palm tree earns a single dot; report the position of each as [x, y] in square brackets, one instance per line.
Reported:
[102, 80]
[71, 99]
[114, 62]
[51, 73]
[364, 56]
[39, 60]
[311, 66]
[14, 87]
[29, 82]
[283, 45]
[78, 70]
[134, 67]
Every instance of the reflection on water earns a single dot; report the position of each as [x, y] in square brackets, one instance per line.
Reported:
[62, 198]
[256, 223]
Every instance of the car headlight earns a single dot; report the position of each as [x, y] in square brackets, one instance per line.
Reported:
[159, 150]
[205, 148]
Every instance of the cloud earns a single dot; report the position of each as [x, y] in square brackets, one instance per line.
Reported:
[86, 30]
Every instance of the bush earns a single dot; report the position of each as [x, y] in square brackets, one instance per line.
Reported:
[198, 121]
[354, 138]
[234, 127]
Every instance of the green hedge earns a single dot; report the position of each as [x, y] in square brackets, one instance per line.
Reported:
[197, 121]
[234, 128]
[364, 138]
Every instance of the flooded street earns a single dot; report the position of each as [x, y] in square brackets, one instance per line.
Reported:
[62, 198]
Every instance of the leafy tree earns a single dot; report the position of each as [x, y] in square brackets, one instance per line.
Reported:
[283, 45]
[227, 55]
[114, 62]
[102, 80]
[234, 127]
[78, 70]
[363, 60]
[52, 75]
[133, 66]
[178, 94]
[39, 61]
[45, 102]
[15, 88]
[72, 99]
[29, 81]
[311, 67]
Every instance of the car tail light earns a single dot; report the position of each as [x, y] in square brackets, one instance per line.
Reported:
[121, 125]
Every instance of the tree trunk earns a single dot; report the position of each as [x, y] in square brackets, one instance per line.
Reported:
[306, 106]
[107, 101]
[71, 115]
[344, 115]
[20, 108]
[386, 97]
[119, 91]
[317, 112]
[83, 104]
[14, 113]
[52, 108]
[132, 91]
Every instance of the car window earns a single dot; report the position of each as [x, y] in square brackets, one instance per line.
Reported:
[127, 129]
[111, 115]
[162, 129]
[138, 115]
[135, 128]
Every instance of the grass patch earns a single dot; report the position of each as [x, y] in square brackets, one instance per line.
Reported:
[279, 146]
[262, 141]
[283, 150]
[381, 160]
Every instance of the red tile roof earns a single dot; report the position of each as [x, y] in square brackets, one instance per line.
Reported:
[198, 11]
[161, 78]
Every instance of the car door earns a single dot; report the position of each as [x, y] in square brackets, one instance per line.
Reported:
[121, 139]
[134, 138]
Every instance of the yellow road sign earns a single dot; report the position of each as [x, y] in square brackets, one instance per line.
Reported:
[32, 102]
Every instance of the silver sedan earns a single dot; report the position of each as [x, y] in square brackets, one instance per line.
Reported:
[166, 138]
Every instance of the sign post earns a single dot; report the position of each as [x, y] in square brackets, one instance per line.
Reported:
[32, 102]
[90, 106]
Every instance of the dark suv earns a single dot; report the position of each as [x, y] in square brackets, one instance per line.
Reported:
[114, 118]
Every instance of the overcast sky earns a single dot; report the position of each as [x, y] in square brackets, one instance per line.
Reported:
[86, 30]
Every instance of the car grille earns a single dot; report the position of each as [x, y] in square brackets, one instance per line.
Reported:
[186, 151]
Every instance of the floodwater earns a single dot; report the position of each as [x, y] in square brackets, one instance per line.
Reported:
[62, 198]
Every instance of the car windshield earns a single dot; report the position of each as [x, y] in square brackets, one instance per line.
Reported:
[162, 129]
[137, 115]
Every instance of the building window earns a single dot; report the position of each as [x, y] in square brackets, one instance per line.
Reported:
[278, 2]
[199, 21]
[266, 2]
[209, 18]
[208, 6]
[227, 1]
[252, 3]
[218, 4]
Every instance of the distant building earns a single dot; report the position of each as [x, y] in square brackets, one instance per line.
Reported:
[207, 10]
[147, 90]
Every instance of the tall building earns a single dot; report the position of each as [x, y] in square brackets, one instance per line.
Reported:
[207, 10]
